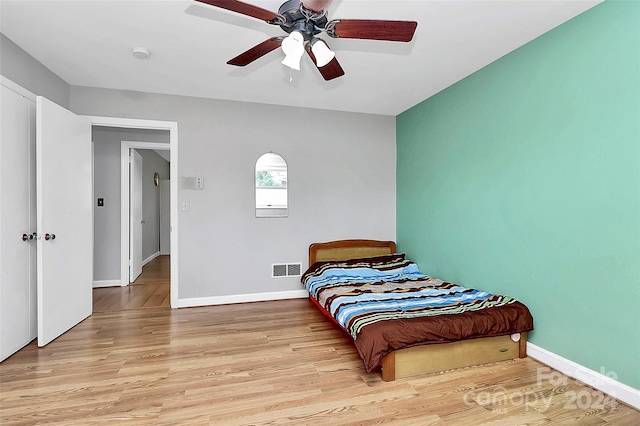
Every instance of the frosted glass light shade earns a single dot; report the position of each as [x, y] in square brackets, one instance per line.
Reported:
[293, 48]
[323, 54]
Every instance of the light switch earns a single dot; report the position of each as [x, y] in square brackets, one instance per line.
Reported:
[100, 202]
[186, 206]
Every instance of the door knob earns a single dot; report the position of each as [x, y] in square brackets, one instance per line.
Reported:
[49, 237]
[26, 237]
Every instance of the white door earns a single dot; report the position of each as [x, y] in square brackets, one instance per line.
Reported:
[18, 324]
[136, 222]
[65, 219]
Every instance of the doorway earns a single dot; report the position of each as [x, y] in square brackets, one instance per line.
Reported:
[145, 171]
[145, 205]
[117, 259]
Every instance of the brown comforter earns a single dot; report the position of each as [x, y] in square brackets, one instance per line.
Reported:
[378, 339]
[387, 304]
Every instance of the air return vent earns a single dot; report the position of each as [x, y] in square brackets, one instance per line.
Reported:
[286, 270]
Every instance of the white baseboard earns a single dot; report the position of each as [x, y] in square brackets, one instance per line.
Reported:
[150, 258]
[242, 298]
[601, 381]
[106, 283]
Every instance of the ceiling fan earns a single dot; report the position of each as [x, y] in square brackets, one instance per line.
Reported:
[304, 20]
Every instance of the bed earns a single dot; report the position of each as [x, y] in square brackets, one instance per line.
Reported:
[407, 338]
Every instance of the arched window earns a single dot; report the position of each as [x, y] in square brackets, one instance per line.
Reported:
[271, 186]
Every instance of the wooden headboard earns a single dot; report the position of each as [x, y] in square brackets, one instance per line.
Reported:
[349, 249]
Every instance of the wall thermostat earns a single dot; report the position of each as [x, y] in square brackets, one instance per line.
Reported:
[191, 182]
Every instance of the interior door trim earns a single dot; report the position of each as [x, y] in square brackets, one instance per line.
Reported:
[9, 84]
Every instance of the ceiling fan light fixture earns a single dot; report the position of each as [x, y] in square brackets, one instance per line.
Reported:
[293, 48]
[321, 51]
[303, 20]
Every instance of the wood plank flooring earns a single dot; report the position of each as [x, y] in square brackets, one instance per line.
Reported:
[267, 363]
[151, 289]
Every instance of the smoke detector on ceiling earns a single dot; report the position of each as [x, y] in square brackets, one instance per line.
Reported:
[141, 53]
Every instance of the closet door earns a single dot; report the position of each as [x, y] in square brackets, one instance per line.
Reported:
[17, 222]
[65, 219]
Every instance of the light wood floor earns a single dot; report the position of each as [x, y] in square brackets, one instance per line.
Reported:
[150, 290]
[267, 363]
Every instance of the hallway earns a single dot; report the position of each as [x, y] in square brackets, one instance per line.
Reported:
[150, 290]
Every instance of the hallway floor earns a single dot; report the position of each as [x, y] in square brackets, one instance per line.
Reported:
[150, 290]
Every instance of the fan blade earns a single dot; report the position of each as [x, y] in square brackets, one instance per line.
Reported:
[372, 29]
[256, 52]
[244, 8]
[331, 70]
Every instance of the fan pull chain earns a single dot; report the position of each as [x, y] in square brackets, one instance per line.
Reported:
[290, 75]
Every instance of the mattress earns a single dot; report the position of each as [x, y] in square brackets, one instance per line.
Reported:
[385, 303]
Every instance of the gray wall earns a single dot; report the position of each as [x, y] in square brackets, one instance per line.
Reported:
[341, 183]
[341, 178]
[21, 68]
[107, 143]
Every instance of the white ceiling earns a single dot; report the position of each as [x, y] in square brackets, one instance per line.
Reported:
[89, 43]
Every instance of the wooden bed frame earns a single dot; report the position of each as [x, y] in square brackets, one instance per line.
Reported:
[428, 358]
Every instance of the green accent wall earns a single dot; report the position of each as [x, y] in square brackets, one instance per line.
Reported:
[524, 179]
